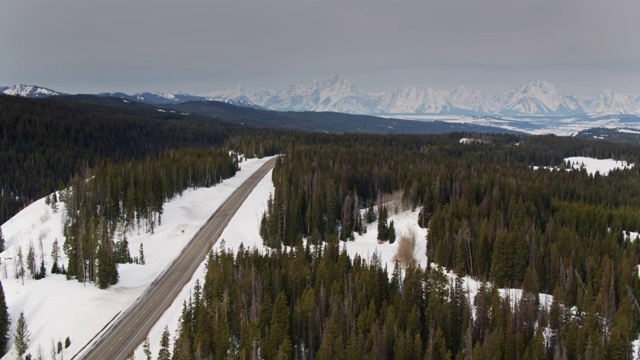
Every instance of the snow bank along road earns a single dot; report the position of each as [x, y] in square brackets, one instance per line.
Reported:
[132, 326]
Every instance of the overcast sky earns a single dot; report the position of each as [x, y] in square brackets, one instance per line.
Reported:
[582, 46]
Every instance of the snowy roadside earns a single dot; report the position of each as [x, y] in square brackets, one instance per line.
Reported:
[56, 308]
[244, 228]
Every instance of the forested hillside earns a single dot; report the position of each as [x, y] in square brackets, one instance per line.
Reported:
[490, 215]
[44, 142]
[117, 164]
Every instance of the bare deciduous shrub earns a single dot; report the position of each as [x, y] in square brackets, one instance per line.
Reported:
[394, 202]
[406, 249]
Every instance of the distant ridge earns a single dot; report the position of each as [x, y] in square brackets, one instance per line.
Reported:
[336, 94]
[536, 97]
[152, 98]
[28, 91]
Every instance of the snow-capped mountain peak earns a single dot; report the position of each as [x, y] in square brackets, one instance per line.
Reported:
[413, 99]
[472, 100]
[612, 102]
[29, 91]
[536, 97]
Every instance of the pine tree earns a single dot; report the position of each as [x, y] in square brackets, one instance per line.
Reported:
[54, 202]
[55, 256]
[5, 322]
[164, 353]
[383, 231]
[437, 347]
[502, 267]
[21, 336]
[146, 350]
[141, 255]
[107, 267]
[19, 270]
[278, 340]
[31, 262]
[42, 273]
[370, 215]
[391, 233]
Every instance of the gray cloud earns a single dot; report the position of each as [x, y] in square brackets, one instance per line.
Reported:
[87, 46]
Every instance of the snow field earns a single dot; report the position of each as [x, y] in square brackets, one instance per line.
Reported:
[591, 165]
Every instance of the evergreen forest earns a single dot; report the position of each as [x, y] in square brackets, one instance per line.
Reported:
[489, 214]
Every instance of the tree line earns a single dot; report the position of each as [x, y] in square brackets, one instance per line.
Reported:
[45, 142]
[104, 205]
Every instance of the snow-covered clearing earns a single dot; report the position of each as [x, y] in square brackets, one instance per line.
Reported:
[56, 308]
[603, 166]
[405, 224]
[591, 165]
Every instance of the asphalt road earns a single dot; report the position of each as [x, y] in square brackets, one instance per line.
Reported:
[131, 328]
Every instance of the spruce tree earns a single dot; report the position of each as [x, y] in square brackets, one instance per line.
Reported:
[141, 255]
[164, 353]
[222, 338]
[391, 233]
[43, 271]
[502, 268]
[19, 270]
[145, 349]
[5, 322]
[1, 240]
[370, 216]
[107, 267]
[54, 202]
[55, 256]
[21, 336]
[278, 340]
[383, 231]
[437, 348]
[31, 262]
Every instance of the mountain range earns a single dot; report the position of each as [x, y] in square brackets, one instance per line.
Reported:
[336, 94]
[536, 97]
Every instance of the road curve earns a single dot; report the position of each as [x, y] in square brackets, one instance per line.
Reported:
[132, 327]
